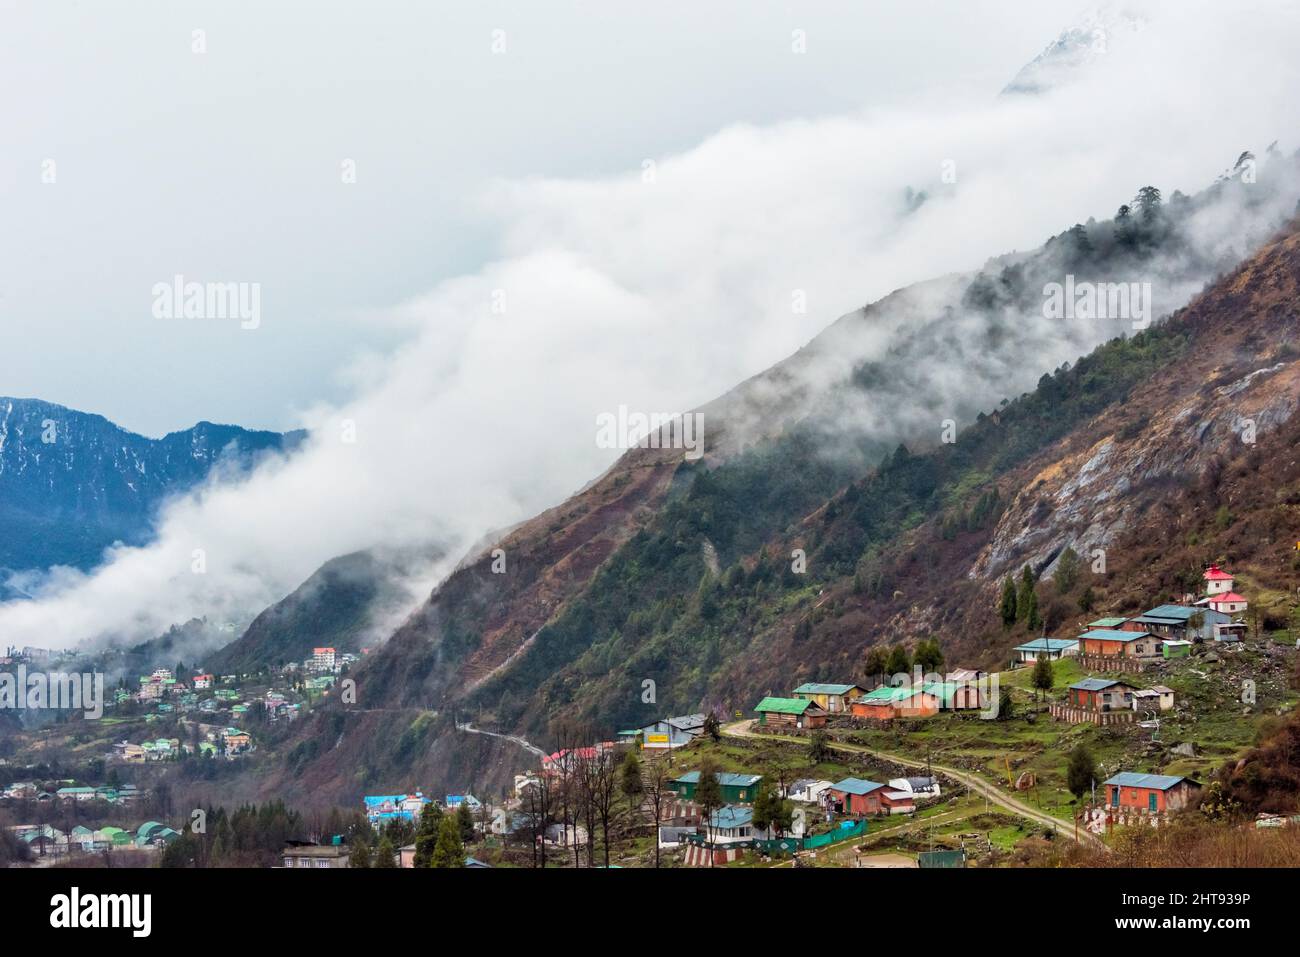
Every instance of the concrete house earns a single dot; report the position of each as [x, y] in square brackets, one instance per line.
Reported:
[1217, 581]
[736, 788]
[1053, 649]
[669, 733]
[858, 797]
[1150, 793]
[1100, 694]
[1180, 621]
[1121, 643]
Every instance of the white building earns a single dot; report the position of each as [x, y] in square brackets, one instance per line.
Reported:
[1217, 581]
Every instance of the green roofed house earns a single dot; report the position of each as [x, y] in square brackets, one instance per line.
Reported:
[114, 836]
[75, 794]
[791, 713]
[146, 832]
[736, 788]
[834, 698]
[1107, 623]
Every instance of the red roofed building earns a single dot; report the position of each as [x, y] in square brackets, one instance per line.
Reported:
[1230, 603]
[1217, 581]
[566, 760]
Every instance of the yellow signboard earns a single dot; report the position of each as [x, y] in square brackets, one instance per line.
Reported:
[656, 739]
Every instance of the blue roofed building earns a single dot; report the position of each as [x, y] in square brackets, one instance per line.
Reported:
[382, 808]
[1145, 794]
[1053, 649]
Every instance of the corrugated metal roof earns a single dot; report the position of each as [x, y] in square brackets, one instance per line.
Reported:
[886, 694]
[1106, 622]
[1094, 684]
[1106, 634]
[784, 705]
[1132, 779]
[731, 816]
[856, 786]
[1176, 612]
[1049, 644]
[724, 777]
[814, 687]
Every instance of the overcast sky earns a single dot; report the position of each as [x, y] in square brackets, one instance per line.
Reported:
[226, 165]
[518, 180]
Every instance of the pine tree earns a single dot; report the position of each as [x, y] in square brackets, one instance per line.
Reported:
[708, 793]
[449, 851]
[876, 665]
[427, 834]
[1043, 677]
[385, 854]
[630, 779]
[899, 663]
[1026, 590]
[360, 855]
[1007, 606]
[1087, 599]
[1032, 619]
[1067, 571]
[928, 655]
[1081, 771]
[465, 822]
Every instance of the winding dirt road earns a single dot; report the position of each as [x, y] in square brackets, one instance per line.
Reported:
[977, 785]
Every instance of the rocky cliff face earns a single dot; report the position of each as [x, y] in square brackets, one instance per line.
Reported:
[1236, 386]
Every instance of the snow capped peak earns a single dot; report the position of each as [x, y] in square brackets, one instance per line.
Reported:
[1078, 47]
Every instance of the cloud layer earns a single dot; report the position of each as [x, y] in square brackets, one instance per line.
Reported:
[662, 288]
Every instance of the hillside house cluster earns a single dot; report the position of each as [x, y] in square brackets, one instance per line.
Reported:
[323, 661]
[811, 705]
[1164, 632]
[383, 808]
[45, 840]
[121, 795]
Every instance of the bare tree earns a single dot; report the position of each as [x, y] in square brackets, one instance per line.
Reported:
[538, 801]
[655, 785]
[602, 786]
[569, 784]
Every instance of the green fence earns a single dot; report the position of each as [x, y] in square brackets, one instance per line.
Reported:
[789, 845]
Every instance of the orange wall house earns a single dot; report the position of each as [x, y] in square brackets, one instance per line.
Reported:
[1119, 643]
[1150, 793]
[1100, 694]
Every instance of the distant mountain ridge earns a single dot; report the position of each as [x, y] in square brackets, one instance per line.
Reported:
[72, 483]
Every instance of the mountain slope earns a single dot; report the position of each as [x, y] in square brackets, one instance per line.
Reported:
[679, 573]
[73, 483]
[344, 605]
